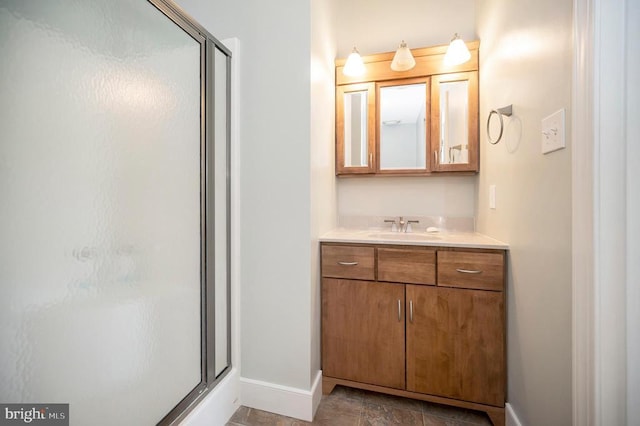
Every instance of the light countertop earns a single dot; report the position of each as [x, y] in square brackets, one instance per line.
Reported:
[441, 239]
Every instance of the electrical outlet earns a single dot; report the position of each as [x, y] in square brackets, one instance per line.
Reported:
[553, 132]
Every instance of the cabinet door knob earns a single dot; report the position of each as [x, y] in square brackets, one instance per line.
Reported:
[411, 311]
[399, 310]
[348, 263]
[468, 271]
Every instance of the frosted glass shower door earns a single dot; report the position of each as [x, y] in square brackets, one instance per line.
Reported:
[100, 209]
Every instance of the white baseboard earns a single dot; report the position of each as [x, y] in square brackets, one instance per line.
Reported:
[219, 405]
[511, 418]
[284, 400]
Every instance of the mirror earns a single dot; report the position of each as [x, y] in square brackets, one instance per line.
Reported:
[355, 129]
[454, 122]
[403, 126]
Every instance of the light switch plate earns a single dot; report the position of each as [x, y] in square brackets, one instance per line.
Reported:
[553, 132]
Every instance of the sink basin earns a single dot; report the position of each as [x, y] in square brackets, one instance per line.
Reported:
[401, 236]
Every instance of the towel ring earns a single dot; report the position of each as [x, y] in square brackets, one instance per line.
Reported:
[499, 112]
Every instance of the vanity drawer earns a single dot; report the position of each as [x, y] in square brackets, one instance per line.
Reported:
[407, 265]
[482, 271]
[348, 262]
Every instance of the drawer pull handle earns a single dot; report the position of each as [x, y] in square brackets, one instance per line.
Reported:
[411, 311]
[468, 271]
[348, 263]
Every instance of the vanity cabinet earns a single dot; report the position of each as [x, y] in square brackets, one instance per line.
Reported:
[426, 323]
[418, 122]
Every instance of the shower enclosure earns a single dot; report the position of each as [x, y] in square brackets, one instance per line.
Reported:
[114, 209]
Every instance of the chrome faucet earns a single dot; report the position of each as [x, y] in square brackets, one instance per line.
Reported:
[401, 225]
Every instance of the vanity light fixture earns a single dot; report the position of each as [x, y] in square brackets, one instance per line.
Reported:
[354, 66]
[457, 52]
[403, 59]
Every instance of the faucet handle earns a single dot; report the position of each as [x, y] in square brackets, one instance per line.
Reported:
[394, 225]
[409, 222]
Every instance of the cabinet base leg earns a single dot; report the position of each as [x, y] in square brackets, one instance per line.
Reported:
[496, 416]
[328, 385]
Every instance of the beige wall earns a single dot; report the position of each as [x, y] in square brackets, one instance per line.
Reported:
[526, 59]
[376, 26]
[323, 186]
[275, 182]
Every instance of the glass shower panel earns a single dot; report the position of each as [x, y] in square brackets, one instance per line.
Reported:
[221, 186]
[100, 229]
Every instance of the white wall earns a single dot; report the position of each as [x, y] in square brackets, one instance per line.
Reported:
[525, 57]
[323, 187]
[274, 38]
[633, 210]
[450, 196]
[375, 26]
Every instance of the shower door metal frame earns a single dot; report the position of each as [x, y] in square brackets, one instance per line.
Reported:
[208, 46]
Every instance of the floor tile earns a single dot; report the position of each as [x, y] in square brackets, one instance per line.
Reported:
[332, 407]
[354, 407]
[265, 418]
[455, 413]
[240, 415]
[337, 421]
[393, 401]
[381, 415]
[432, 420]
[348, 393]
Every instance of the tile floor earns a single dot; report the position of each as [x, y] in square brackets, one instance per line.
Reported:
[355, 407]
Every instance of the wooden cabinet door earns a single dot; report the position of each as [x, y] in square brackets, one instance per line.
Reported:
[355, 128]
[455, 343]
[454, 122]
[363, 332]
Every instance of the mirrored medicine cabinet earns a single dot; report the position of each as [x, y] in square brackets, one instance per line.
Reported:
[418, 122]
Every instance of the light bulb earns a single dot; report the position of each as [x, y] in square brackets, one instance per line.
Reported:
[457, 53]
[354, 66]
[403, 59]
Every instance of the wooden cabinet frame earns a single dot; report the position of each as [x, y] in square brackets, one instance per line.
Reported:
[430, 68]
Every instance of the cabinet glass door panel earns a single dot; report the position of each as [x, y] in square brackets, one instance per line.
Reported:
[356, 153]
[454, 122]
[355, 131]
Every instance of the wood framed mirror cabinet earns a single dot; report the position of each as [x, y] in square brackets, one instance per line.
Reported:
[419, 122]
